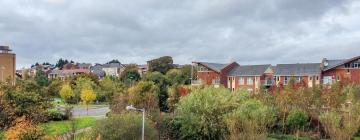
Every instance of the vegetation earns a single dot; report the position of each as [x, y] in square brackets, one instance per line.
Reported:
[127, 126]
[62, 127]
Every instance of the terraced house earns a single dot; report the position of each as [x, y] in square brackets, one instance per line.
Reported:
[253, 77]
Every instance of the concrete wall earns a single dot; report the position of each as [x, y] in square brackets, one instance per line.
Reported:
[8, 61]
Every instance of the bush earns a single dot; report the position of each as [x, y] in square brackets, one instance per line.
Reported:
[56, 115]
[201, 113]
[24, 130]
[125, 126]
[296, 120]
[250, 121]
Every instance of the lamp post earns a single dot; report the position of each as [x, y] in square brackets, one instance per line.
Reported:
[2, 68]
[131, 107]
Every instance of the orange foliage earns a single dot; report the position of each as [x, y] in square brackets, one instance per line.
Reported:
[23, 129]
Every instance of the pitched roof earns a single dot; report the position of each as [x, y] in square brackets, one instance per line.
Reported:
[335, 63]
[112, 65]
[249, 70]
[300, 69]
[214, 66]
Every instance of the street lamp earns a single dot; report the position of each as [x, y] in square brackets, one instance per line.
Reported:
[131, 107]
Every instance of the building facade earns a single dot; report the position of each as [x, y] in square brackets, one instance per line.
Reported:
[253, 77]
[7, 64]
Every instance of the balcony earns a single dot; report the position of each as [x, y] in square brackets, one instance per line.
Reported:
[267, 82]
[196, 82]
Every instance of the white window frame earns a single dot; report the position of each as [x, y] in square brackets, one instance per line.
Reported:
[250, 81]
[241, 81]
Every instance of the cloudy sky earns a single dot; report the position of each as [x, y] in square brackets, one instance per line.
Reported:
[246, 31]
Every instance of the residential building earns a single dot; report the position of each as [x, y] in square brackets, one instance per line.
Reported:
[211, 73]
[142, 69]
[97, 70]
[250, 77]
[308, 74]
[7, 64]
[113, 69]
[70, 70]
[341, 70]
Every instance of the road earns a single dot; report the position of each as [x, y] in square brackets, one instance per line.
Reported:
[94, 111]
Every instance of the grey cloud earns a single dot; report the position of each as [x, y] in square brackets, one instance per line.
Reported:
[248, 31]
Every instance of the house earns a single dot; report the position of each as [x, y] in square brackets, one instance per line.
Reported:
[97, 70]
[211, 73]
[113, 69]
[341, 70]
[306, 73]
[70, 70]
[142, 69]
[250, 77]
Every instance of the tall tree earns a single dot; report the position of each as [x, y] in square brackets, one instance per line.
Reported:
[87, 96]
[162, 64]
[66, 92]
[130, 75]
[41, 78]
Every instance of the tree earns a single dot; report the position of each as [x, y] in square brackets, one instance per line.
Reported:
[66, 92]
[41, 79]
[126, 126]
[201, 113]
[161, 81]
[175, 77]
[186, 71]
[107, 89]
[61, 62]
[162, 64]
[79, 84]
[87, 97]
[130, 74]
[144, 95]
[297, 119]
[24, 130]
[250, 121]
[113, 61]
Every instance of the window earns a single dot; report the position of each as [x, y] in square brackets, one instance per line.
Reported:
[348, 71]
[298, 79]
[347, 65]
[317, 78]
[286, 80]
[241, 81]
[355, 65]
[250, 81]
[278, 78]
[338, 77]
[310, 78]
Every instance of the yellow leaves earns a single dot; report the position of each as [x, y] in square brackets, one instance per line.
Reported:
[87, 95]
[66, 92]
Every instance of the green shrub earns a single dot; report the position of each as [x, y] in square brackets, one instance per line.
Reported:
[125, 126]
[297, 119]
[201, 113]
[250, 121]
[56, 115]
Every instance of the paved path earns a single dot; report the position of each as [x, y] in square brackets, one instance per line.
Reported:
[93, 111]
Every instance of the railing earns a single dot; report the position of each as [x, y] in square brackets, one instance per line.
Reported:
[196, 82]
[267, 82]
[328, 81]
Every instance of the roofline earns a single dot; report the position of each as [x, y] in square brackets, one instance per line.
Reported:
[342, 63]
[242, 75]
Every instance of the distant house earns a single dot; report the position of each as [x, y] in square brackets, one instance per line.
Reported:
[113, 69]
[97, 70]
[308, 73]
[212, 73]
[250, 77]
[70, 70]
[142, 69]
[343, 69]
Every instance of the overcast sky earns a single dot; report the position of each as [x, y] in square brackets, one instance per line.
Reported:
[133, 31]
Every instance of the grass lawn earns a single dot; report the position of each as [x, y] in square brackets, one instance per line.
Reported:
[1, 135]
[62, 127]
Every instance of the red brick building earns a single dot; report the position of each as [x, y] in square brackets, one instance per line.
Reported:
[211, 73]
[307, 73]
[253, 77]
[250, 77]
[341, 70]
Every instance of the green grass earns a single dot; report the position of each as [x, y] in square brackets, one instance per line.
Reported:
[285, 137]
[62, 127]
[1, 135]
